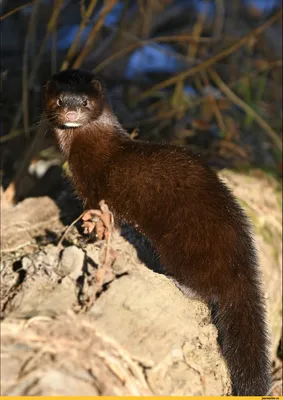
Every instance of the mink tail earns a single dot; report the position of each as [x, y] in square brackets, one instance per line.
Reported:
[239, 316]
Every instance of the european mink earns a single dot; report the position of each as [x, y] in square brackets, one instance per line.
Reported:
[194, 223]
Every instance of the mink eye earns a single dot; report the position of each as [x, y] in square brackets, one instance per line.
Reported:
[85, 103]
[59, 102]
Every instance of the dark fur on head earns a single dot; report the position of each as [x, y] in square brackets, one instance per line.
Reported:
[75, 91]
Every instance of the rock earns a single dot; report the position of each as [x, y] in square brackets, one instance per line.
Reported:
[71, 263]
[42, 291]
[152, 319]
[30, 218]
[68, 356]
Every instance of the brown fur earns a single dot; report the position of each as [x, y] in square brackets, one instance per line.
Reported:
[193, 221]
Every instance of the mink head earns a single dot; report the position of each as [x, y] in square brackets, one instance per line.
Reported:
[73, 98]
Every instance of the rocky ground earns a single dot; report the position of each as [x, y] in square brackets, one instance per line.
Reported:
[74, 324]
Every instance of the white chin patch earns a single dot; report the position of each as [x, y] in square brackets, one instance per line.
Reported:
[72, 124]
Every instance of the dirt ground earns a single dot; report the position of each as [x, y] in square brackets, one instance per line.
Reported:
[72, 325]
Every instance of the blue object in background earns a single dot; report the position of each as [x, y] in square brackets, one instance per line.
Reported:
[206, 8]
[189, 91]
[115, 14]
[152, 58]
[67, 34]
[263, 6]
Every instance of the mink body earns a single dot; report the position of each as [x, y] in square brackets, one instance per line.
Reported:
[193, 221]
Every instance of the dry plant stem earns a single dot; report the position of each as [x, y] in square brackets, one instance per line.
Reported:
[116, 56]
[183, 38]
[12, 249]
[54, 47]
[212, 60]
[114, 36]
[51, 25]
[109, 229]
[269, 66]
[123, 19]
[219, 21]
[214, 105]
[38, 136]
[244, 106]
[109, 234]
[25, 86]
[12, 135]
[17, 9]
[172, 113]
[72, 50]
[140, 43]
[107, 219]
[68, 229]
[82, 8]
[50, 28]
[197, 30]
[96, 28]
[104, 209]
[227, 145]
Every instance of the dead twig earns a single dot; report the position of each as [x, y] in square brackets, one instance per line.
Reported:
[103, 225]
[19, 247]
[197, 30]
[50, 27]
[25, 86]
[17, 9]
[140, 43]
[219, 21]
[13, 134]
[96, 28]
[244, 106]
[109, 225]
[68, 229]
[212, 60]
[214, 105]
[72, 50]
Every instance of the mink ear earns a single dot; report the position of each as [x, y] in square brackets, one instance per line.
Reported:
[50, 86]
[96, 85]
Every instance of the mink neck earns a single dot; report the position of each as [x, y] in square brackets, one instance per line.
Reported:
[100, 135]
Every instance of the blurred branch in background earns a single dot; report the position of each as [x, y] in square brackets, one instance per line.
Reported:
[216, 58]
[228, 92]
[197, 73]
[15, 10]
[85, 19]
[96, 28]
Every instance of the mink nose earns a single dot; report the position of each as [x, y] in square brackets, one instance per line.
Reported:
[71, 116]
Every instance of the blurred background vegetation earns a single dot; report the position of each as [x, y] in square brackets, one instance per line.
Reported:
[200, 73]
